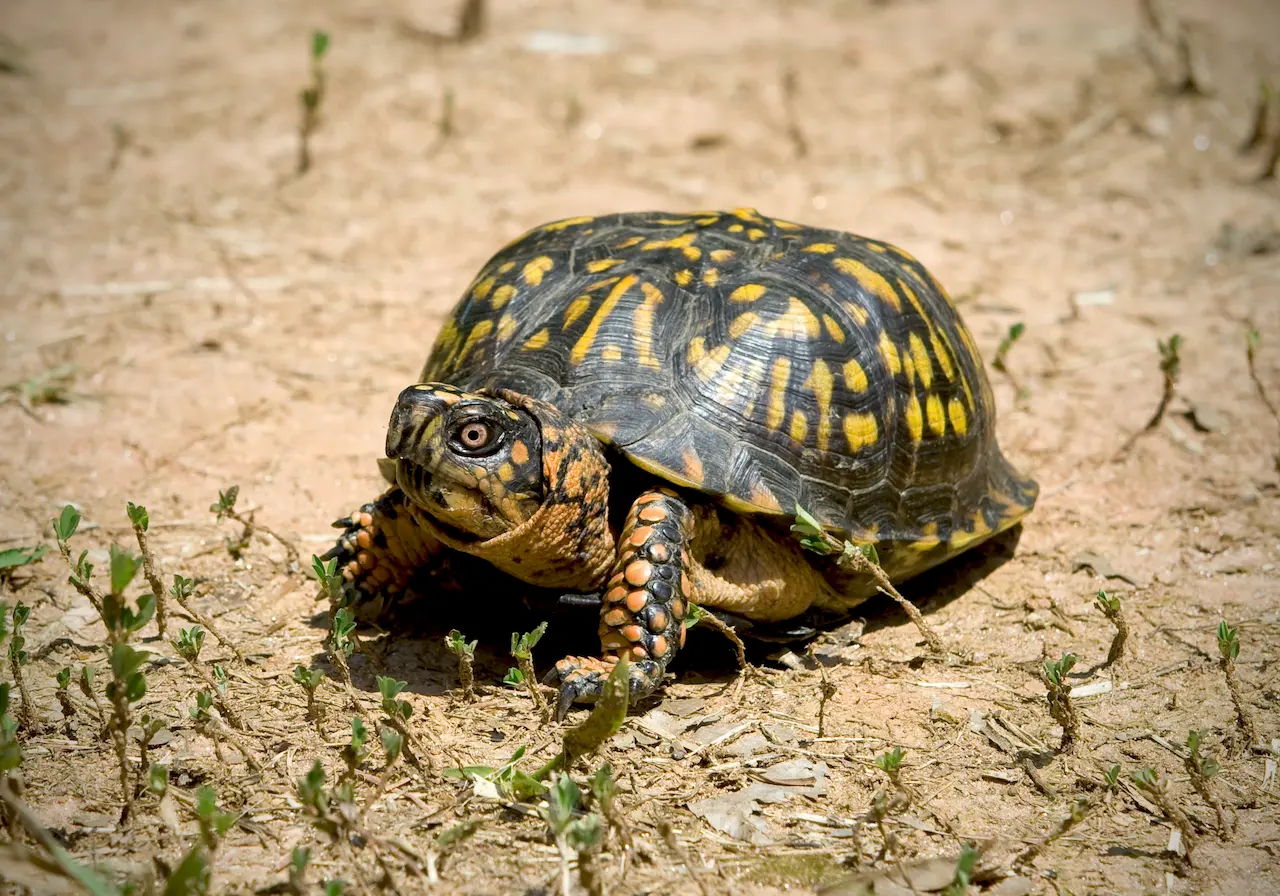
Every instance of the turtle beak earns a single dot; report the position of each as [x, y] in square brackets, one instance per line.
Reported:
[416, 410]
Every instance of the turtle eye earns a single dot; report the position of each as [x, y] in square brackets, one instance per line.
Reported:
[475, 437]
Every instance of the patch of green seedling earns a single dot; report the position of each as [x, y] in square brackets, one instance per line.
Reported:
[522, 651]
[128, 684]
[355, 751]
[1112, 608]
[310, 680]
[141, 520]
[1253, 339]
[53, 386]
[1201, 770]
[1000, 361]
[225, 508]
[605, 718]
[62, 690]
[1228, 651]
[1170, 369]
[1054, 676]
[397, 714]
[85, 682]
[444, 842]
[311, 98]
[891, 764]
[864, 560]
[576, 834]
[299, 859]
[1157, 788]
[340, 642]
[12, 559]
[392, 749]
[506, 781]
[10, 749]
[965, 866]
[465, 651]
[182, 591]
[28, 718]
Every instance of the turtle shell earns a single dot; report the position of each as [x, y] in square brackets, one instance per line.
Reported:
[767, 364]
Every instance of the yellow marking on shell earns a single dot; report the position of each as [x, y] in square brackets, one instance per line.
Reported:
[879, 248]
[822, 382]
[697, 349]
[692, 464]
[875, 283]
[955, 411]
[533, 272]
[915, 303]
[629, 242]
[924, 369]
[720, 256]
[860, 430]
[889, 352]
[915, 418]
[820, 248]
[904, 255]
[478, 332]
[762, 497]
[748, 292]
[909, 367]
[506, 267]
[655, 400]
[706, 368]
[735, 228]
[611, 353]
[567, 223]
[684, 242]
[935, 415]
[755, 233]
[859, 313]
[778, 379]
[968, 393]
[669, 222]
[537, 340]
[506, 327]
[799, 427]
[855, 378]
[502, 295]
[942, 354]
[787, 225]
[603, 283]
[797, 322]
[833, 328]
[575, 310]
[742, 323]
[728, 385]
[684, 277]
[748, 214]
[588, 336]
[711, 276]
[481, 289]
[675, 477]
[642, 317]
[600, 265]
[506, 472]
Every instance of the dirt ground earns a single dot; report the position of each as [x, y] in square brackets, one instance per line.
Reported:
[228, 322]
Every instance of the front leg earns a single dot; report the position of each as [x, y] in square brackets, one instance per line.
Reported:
[383, 545]
[644, 606]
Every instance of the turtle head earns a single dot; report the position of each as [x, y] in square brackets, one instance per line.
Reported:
[507, 478]
[473, 462]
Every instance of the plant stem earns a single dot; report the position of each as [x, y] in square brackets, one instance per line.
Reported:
[28, 719]
[525, 662]
[1204, 789]
[856, 561]
[211, 627]
[1244, 717]
[251, 525]
[1064, 713]
[149, 570]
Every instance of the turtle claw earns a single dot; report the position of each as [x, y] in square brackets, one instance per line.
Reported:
[582, 679]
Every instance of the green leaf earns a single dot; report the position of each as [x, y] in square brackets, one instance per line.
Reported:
[191, 877]
[63, 678]
[182, 587]
[125, 661]
[1112, 775]
[1228, 641]
[562, 801]
[136, 687]
[12, 558]
[513, 678]
[606, 717]
[124, 566]
[457, 833]
[693, 616]
[389, 687]
[334, 887]
[585, 834]
[1145, 778]
[226, 501]
[138, 515]
[146, 609]
[458, 644]
[158, 779]
[319, 44]
[603, 787]
[67, 522]
[393, 743]
[299, 859]
[891, 761]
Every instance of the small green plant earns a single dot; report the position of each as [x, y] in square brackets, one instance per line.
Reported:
[576, 835]
[225, 508]
[1157, 788]
[28, 717]
[141, 520]
[299, 859]
[1080, 810]
[864, 560]
[891, 764]
[605, 718]
[52, 386]
[1000, 361]
[1170, 370]
[182, 591]
[85, 683]
[1111, 778]
[507, 781]
[12, 559]
[340, 642]
[1114, 611]
[356, 750]
[397, 714]
[1061, 708]
[965, 865]
[10, 749]
[188, 644]
[514, 678]
[62, 680]
[392, 749]
[465, 651]
[310, 680]
[1228, 651]
[311, 99]
[522, 650]
[1201, 770]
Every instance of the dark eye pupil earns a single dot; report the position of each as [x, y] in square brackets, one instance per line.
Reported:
[474, 435]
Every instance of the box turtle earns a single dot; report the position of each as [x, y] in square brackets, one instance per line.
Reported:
[633, 406]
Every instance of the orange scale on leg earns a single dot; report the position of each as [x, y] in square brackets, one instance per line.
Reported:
[659, 647]
[677, 607]
[640, 536]
[616, 594]
[638, 572]
[683, 632]
[658, 622]
[660, 553]
[632, 633]
[615, 617]
[652, 514]
[364, 540]
[636, 600]
[639, 652]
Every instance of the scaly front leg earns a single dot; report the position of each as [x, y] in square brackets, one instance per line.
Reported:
[644, 606]
[383, 545]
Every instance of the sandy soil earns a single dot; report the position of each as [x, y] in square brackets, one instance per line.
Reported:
[227, 321]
